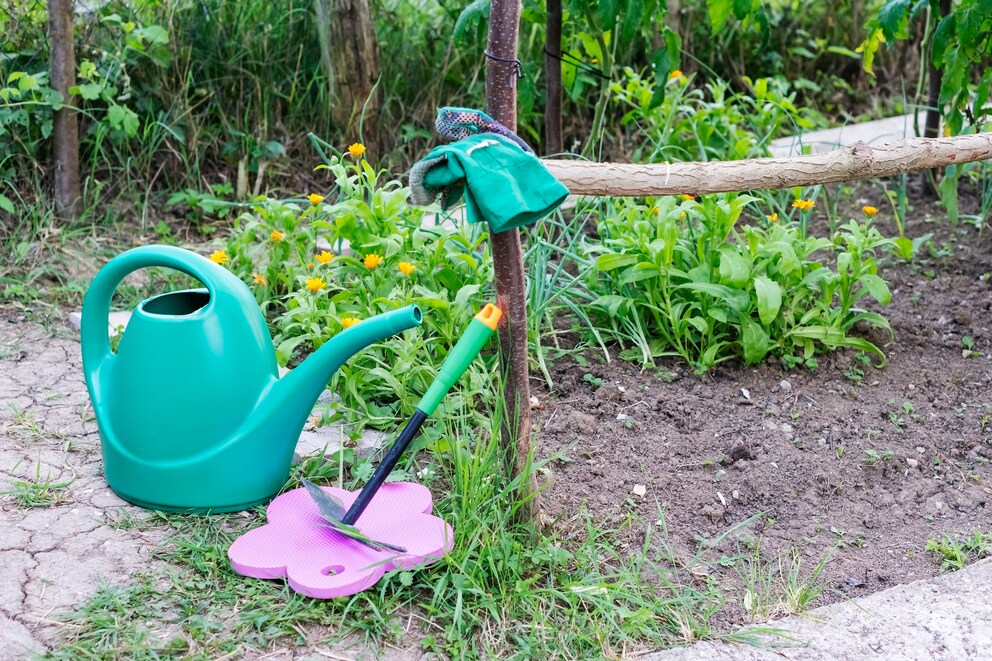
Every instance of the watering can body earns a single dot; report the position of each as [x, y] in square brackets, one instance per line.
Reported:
[191, 410]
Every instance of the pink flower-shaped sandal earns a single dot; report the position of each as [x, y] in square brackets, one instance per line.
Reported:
[318, 561]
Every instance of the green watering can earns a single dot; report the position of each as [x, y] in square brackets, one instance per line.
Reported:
[191, 410]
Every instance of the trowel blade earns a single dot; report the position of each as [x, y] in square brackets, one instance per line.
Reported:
[332, 509]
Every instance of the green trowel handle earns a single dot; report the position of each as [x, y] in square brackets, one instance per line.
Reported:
[479, 330]
[461, 355]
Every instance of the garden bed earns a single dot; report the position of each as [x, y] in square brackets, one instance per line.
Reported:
[846, 462]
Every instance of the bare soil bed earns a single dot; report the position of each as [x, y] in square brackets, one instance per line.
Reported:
[849, 462]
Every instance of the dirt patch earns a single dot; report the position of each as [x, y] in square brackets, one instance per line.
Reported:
[860, 463]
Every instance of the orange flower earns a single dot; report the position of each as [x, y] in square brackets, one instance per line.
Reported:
[259, 279]
[869, 210]
[219, 257]
[348, 322]
[406, 268]
[772, 217]
[675, 74]
[315, 199]
[309, 265]
[277, 236]
[356, 149]
[324, 257]
[682, 216]
[315, 284]
[372, 260]
[804, 205]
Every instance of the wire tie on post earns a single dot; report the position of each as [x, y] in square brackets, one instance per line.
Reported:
[518, 71]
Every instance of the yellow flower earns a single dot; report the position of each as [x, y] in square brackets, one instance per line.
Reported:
[406, 268]
[804, 205]
[869, 210]
[219, 257]
[655, 210]
[682, 216]
[687, 198]
[772, 217]
[356, 149]
[675, 74]
[348, 322]
[372, 260]
[325, 257]
[315, 199]
[315, 284]
[309, 265]
[259, 279]
[277, 236]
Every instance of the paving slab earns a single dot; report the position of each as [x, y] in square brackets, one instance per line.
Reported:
[875, 132]
[948, 618]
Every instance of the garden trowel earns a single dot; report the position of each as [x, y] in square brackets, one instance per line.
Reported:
[459, 358]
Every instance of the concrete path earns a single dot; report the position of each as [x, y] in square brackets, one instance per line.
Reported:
[873, 133]
[944, 618]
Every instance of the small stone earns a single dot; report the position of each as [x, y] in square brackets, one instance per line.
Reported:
[639, 490]
[735, 494]
[784, 385]
[912, 463]
[622, 416]
[920, 449]
[535, 404]
[786, 428]
[911, 387]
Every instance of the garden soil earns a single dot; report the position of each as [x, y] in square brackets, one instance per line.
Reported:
[855, 465]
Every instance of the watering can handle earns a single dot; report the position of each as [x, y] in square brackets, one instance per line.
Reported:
[96, 304]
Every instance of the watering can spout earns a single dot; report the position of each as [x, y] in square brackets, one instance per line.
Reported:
[298, 390]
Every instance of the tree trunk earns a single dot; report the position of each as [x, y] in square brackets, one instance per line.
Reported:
[354, 60]
[511, 289]
[65, 129]
[852, 163]
[553, 139]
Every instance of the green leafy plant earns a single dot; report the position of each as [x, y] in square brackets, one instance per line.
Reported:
[680, 278]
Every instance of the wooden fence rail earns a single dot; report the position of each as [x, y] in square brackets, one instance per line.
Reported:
[859, 161]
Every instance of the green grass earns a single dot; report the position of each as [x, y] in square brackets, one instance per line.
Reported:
[955, 551]
[39, 492]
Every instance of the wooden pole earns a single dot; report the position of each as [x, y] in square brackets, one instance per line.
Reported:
[511, 288]
[553, 140]
[65, 124]
[858, 161]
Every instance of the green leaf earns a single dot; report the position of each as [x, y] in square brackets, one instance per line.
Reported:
[719, 11]
[611, 303]
[154, 34]
[877, 288]
[754, 341]
[611, 261]
[6, 204]
[474, 15]
[735, 298]
[948, 188]
[665, 60]
[608, 10]
[942, 37]
[769, 298]
[89, 91]
[734, 268]
[123, 119]
[892, 18]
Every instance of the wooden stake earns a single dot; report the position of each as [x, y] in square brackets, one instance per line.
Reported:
[511, 288]
[65, 124]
